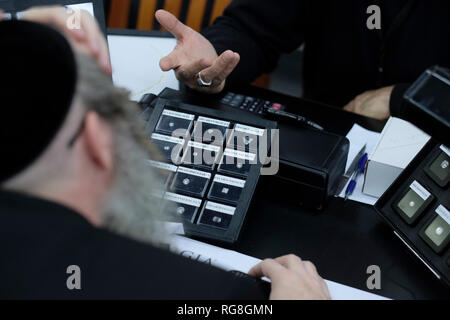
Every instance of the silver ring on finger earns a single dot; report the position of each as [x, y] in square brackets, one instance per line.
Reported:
[201, 82]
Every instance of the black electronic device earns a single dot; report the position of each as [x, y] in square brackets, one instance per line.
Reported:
[417, 207]
[428, 103]
[311, 161]
[417, 204]
[266, 108]
[210, 182]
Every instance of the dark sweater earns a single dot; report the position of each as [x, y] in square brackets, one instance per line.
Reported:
[40, 239]
[343, 58]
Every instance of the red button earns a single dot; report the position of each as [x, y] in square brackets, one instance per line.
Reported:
[276, 106]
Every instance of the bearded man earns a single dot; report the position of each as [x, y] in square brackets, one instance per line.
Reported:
[76, 193]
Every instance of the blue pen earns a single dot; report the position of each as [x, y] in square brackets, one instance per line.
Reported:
[359, 170]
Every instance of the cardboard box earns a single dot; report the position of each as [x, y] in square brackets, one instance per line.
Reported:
[399, 143]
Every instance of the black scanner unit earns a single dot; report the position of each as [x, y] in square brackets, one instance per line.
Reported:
[427, 103]
[311, 165]
[311, 162]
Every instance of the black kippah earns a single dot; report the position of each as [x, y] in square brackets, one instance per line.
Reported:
[38, 81]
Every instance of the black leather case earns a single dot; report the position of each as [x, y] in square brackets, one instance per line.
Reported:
[311, 165]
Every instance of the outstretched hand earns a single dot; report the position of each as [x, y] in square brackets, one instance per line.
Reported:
[194, 54]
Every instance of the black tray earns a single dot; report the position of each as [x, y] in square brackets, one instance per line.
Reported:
[230, 235]
[411, 233]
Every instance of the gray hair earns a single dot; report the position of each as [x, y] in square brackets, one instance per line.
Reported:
[133, 206]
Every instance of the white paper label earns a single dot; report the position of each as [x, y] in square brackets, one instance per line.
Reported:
[446, 150]
[219, 208]
[193, 172]
[162, 165]
[183, 199]
[161, 137]
[239, 154]
[229, 181]
[199, 145]
[249, 130]
[421, 191]
[444, 213]
[216, 122]
[176, 114]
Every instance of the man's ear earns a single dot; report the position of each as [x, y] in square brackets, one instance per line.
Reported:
[98, 138]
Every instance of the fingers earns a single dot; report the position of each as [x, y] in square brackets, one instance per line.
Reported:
[292, 278]
[268, 268]
[97, 43]
[172, 24]
[215, 71]
[295, 264]
[187, 73]
[170, 61]
[221, 68]
[290, 261]
[86, 34]
[311, 269]
[325, 289]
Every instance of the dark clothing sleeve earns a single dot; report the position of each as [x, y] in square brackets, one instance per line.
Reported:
[34, 261]
[342, 57]
[260, 31]
[396, 104]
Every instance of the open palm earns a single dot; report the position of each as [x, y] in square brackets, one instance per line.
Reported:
[195, 55]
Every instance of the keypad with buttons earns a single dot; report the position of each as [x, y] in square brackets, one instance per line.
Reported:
[208, 180]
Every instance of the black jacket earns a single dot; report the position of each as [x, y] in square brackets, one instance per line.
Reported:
[343, 58]
[40, 239]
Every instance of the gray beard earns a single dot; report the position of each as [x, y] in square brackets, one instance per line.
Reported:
[132, 209]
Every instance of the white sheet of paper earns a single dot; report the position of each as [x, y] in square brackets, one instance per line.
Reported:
[232, 260]
[135, 64]
[359, 136]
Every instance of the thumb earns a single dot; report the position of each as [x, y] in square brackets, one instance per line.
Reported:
[172, 24]
[170, 61]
